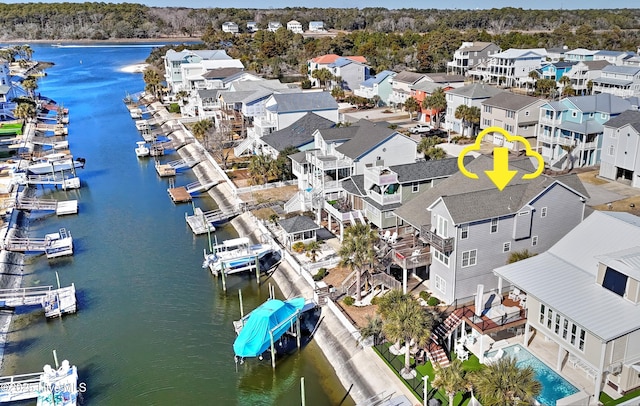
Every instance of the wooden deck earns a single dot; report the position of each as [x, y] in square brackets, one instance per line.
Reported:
[487, 325]
[179, 194]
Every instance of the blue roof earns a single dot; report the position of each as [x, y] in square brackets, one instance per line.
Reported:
[377, 78]
[274, 316]
[340, 62]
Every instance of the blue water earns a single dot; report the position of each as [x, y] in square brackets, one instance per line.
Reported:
[554, 386]
[153, 327]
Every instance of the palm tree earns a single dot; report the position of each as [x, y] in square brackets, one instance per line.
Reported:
[470, 116]
[373, 328]
[450, 379]
[568, 90]
[473, 117]
[30, 84]
[25, 111]
[438, 102]
[504, 383]
[519, 256]
[200, 128]
[151, 78]
[411, 105]
[589, 86]
[261, 167]
[428, 147]
[323, 75]
[357, 251]
[407, 322]
[312, 249]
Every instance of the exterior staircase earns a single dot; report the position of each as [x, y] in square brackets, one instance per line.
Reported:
[437, 354]
[243, 146]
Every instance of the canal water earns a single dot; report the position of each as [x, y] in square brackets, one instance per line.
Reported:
[153, 327]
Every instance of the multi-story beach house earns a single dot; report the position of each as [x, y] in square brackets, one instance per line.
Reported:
[472, 227]
[620, 158]
[613, 57]
[184, 70]
[298, 135]
[316, 26]
[338, 65]
[252, 26]
[582, 300]
[274, 26]
[516, 113]
[623, 81]
[230, 27]
[580, 55]
[295, 27]
[401, 85]
[471, 96]
[583, 73]
[570, 130]
[8, 92]
[377, 86]
[512, 67]
[470, 54]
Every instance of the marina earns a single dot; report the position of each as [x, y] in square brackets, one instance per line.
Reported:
[53, 245]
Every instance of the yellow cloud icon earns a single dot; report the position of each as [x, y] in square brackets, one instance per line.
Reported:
[501, 175]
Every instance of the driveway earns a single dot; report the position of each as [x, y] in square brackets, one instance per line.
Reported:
[601, 194]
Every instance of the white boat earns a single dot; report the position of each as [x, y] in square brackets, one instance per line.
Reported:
[236, 255]
[58, 244]
[136, 113]
[58, 386]
[56, 162]
[142, 150]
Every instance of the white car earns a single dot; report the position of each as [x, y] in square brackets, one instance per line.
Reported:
[420, 128]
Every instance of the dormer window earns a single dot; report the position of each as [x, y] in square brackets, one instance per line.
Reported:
[615, 281]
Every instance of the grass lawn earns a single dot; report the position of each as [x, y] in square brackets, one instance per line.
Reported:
[608, 401]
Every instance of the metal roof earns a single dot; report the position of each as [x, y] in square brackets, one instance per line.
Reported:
[564, 277]
[624, 70]
[613, 81]
[378, 78]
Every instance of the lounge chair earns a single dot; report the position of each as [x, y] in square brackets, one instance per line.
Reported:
[386, 235]
[514, 294]
[393, 238]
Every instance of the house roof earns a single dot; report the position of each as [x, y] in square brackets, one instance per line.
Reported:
[476, 91]
[586, 127]
[331, 58]
[510, 101]
[476, 46]
[581, 51]
[623, 70]
[563, 64]
[631, 117]
[564, 277]
[340, 62]
[298, 224]
[428, 87]
[300, 157]
[208, 93]
[377, 79]
[298, 133]
[613, 53]
[612, 81]
[424, 170]
[478, 199]
[444, 78]
[295, 102]
[221, 73]
[408, 77]
[602, 102]
[596, 65]
[367, 136]
[4, 89]
[514, 53]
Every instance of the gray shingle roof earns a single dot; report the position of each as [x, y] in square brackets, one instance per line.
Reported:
[476, 91]
[208, 93]
[625, 70]
[631, 117]
[570, 266]
[510, 101]
[445, 78]
[477, 46]
[425, 170]
[221, 73]
[596, 65]
[367, 136]
[312, 101]
[408, 77]
[300, 157]
[298, 224]
[478, 199]
[298, 133]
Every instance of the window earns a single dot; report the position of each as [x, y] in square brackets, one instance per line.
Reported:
[486, 122]
[494, 226]
[487, 109]
[510, 113]
[581, 340]
[441, 257]
[612, 150]
[464, 231]
[443, 227]
[603, 116]
[389, 214]
[549, 318]
[415, 187]
[615, 281]
[526, 113]
[543, 212]
[508, 127]
[574, 114]
[506, 247]
[534, 240]
[469, 258]
[573, 334]
[440, 283]
[556, 328]
[565, 329]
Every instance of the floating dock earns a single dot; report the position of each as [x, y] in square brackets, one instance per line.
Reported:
[50, 387]
[55, 302]
[60, 208]
[200, 221]
[179, 194]
[52, 245]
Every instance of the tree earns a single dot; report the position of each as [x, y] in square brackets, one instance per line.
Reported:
[437, 102]
[312, 249]
[151, 79]
[428, 147]
[261, 167]
[30, 84]
[411, 105]
[373, 328]
[470, 116]
[535, 75]
[545, 86]
[589, 86]
[357, 251]
[26, 111]
[322, 75]
[450, 379]
[201, 128]
[516, 256]
[406, 321]
[568, 91]
[283, 162]
[504, 383]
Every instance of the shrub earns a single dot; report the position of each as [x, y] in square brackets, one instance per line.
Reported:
[349, 300]
[174, 108]
[274, 219]
[424, 295]
[433, 301]
[322, 272]
[298, 247]
[305, 84]
[374, 300]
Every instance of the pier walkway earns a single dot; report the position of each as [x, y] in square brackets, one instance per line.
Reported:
[53, 245]
[201, 222]
[55, 302]
[52, 386]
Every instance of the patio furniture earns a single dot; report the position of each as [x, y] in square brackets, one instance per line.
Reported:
[386, 235]
[393, 238]
[514, 294]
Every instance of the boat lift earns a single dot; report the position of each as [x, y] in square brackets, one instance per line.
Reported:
[55, 302]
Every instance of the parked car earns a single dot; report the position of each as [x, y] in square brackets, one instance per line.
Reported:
[419, 129]
[435, 132]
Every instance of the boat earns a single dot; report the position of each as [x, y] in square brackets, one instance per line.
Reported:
[142, 150]
[58, 386]
[56, 162]
[136, 113]
[58, 244]
[236, 255]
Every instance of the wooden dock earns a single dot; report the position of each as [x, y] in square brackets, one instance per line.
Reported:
[200, 221]
[179, 194]
[165, 170]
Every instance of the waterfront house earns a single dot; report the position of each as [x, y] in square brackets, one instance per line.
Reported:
[298, 135]
[401, 85]
[516, 113]
[472, 227]
[471, 96]
[298, 229]
[583, 73]
[623, 81]
[295, 27]
[326, 62]
[580, 54]
[470, 54]
[582, 299]
[230, 27]
[512, 67]
[378, 85]
[8, 92]
[621, 149]
[316, 26]
[570, 130]
[181, 67]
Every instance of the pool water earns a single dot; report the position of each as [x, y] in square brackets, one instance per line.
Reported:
[554, 386]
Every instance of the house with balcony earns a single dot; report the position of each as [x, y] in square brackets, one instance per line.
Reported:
[298, 135]
[570, 130]
[326, 62]
[274, 26]
[622, 81]
[420, 92]
[516, 113]
[472, 227]
[613, 57]
[342, 152]
[470, 54]
[316, 26]
[555, 70]
[620, 160]
[8, 92]
[471, 96]
[580, 55]
[582, 300]
[401, 85]
[295, 27]
[583, 73]
[511, 68]
[230, 27]
[204, 102]
[180, 66]
[377, 86]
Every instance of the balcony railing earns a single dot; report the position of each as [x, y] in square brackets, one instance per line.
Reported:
[340, 215]
[376, 178]
[328, 162]
[386, 199]
[437, 242]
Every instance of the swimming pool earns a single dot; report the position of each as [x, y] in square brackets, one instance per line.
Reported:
[554, 386]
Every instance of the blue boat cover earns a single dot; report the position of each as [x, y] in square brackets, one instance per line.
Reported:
[254, 338]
